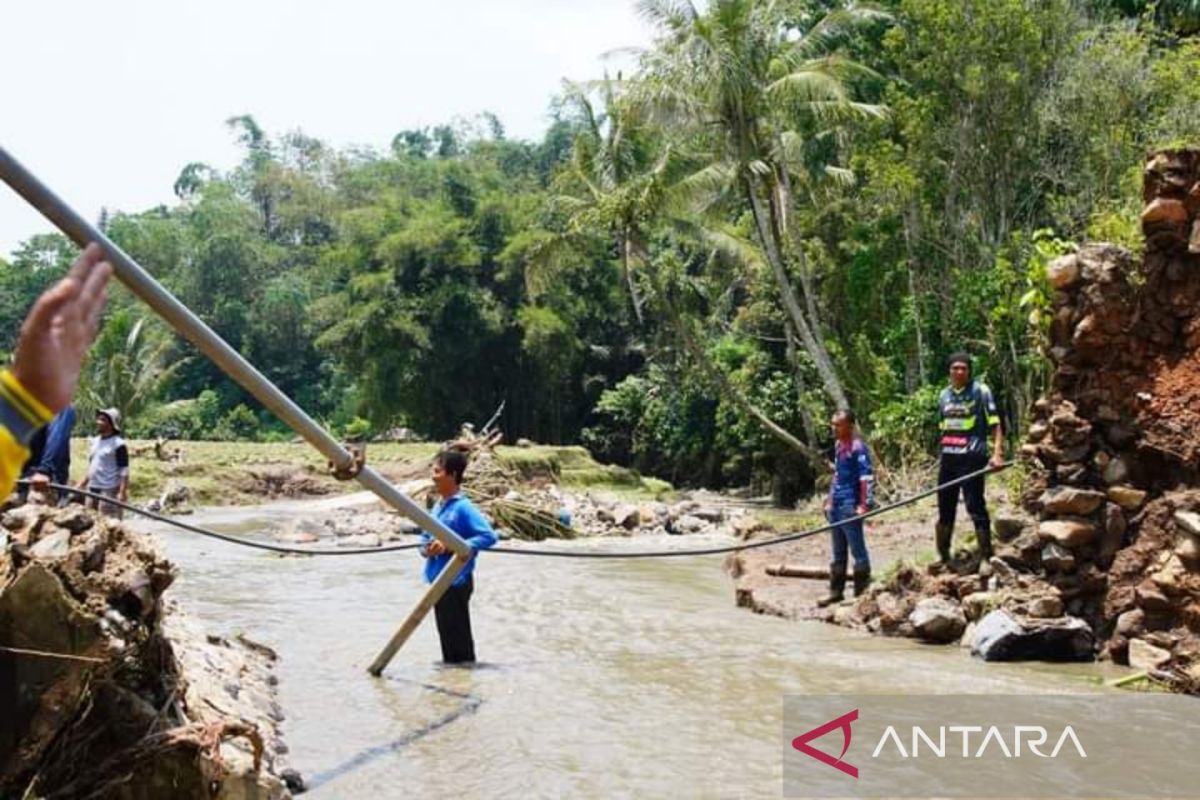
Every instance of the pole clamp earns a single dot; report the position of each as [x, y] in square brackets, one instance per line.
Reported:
[346, 472]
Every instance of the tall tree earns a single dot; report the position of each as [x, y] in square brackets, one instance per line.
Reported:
[755, 87]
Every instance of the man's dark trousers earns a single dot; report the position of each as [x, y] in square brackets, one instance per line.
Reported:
[453, 614]
[951, 468]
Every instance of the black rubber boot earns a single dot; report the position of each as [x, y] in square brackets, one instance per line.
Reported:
[837, 585]
[944, 532]
[983, 534]
[862, 579]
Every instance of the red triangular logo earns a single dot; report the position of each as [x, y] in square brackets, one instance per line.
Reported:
[843, 722]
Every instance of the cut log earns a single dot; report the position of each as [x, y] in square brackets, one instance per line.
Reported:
[799, 571]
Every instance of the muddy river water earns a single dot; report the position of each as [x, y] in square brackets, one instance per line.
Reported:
[598, 678]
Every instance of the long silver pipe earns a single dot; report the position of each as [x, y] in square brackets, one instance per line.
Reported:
[192, 328]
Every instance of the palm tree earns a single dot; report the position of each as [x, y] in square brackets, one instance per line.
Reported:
[614, 182]
[758, 91]
[617, 183]
[127, 367]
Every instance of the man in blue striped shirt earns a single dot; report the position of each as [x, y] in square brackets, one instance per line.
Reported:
[851, 494]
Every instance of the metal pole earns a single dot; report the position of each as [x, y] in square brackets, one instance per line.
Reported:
[427, 601]
[229, 360]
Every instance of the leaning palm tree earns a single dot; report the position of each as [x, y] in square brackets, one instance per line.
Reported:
[756, 89]
[614, 183]
[617, 183]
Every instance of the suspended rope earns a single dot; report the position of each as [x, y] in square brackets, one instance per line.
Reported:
[224, 537]
[529, 551]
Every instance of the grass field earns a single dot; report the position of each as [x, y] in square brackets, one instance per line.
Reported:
[232, 473]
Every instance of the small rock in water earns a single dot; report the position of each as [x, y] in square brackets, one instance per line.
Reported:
[302, 531]
[294, 781]
[174, 494]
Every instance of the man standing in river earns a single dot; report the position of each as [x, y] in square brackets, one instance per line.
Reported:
[456, 512]
[968, 415]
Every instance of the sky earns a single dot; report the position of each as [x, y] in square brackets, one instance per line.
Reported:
[107, 102]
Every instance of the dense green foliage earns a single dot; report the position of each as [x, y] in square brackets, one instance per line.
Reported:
[789, 206]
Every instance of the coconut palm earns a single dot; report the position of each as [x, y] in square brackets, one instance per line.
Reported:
[614, 183]
[758, 88]
[127, 367]
[617, 182]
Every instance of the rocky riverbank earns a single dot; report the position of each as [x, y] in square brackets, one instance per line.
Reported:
[106, 690]
[584, 513]
[1104, 560]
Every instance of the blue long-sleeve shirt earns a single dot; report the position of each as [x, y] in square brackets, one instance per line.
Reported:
[461, 516]
[52, 454]
[853, 478]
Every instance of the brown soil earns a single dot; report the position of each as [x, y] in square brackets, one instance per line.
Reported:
[1171, 419]
[286, 481]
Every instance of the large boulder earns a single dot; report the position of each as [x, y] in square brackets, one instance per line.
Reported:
[1001, 636]
[936, 619]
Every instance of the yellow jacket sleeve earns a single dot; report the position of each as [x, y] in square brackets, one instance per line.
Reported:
[21, 414]
[12, 457]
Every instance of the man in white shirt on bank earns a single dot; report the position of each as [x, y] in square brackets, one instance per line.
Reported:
[108, 463]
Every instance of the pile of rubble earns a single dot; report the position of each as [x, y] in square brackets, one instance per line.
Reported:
[575, 514]
[691, 513]
[105, 691]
